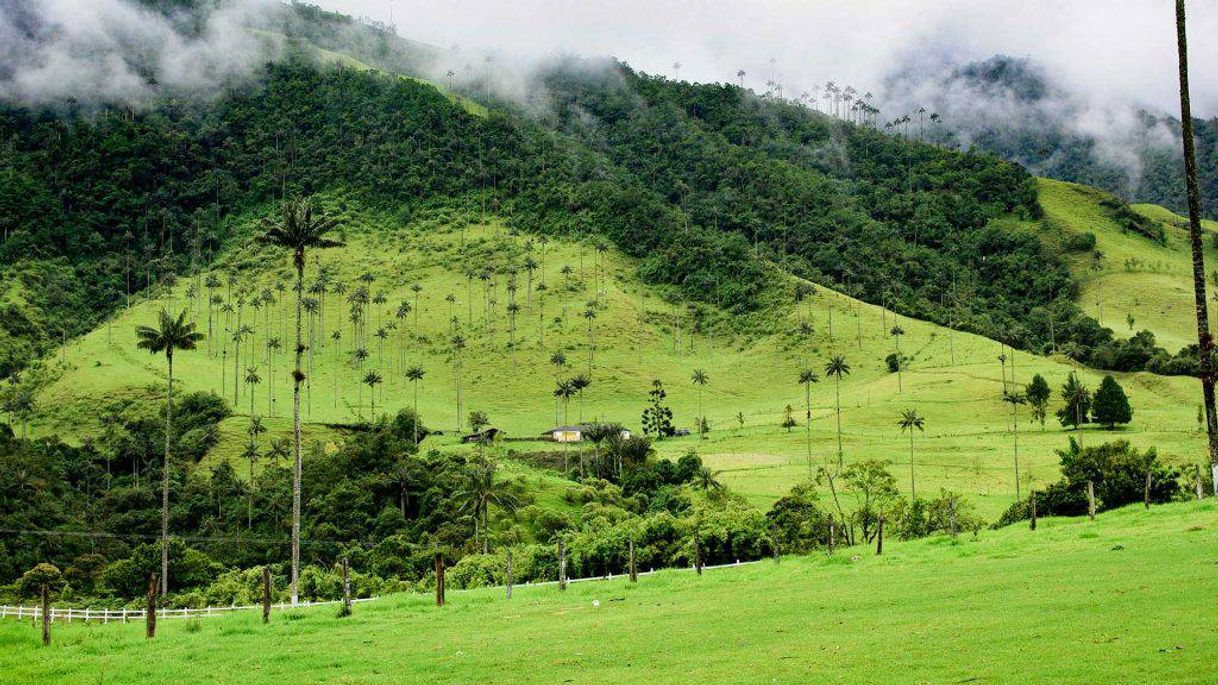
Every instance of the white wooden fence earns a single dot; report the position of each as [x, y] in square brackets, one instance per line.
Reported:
[125, 615]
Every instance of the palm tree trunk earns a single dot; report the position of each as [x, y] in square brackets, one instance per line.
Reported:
[808, 423]
[297, 377]
[165, 480]
[838, 408]
[1205, 339]
[1015, 420]
[913, 493]
[416, 414]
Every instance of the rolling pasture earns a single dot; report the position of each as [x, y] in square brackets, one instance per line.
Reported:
[461, 271]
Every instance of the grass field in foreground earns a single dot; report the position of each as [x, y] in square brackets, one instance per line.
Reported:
[1124, 599]
[955, 380]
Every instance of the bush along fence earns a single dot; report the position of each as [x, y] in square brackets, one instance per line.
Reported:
[47, 615]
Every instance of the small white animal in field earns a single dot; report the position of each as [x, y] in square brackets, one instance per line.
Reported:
[596, 603]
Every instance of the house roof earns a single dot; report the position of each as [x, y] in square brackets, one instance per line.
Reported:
[576, 428]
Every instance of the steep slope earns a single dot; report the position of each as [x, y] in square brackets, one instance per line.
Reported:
[1014, 108]
[641, 334]
[1136, 276]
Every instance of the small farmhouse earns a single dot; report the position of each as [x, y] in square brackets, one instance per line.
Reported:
[572, 433]
[484, 437]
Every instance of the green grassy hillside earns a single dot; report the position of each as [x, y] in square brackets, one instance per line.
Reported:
[954, 380]
[1136, 277]
[1118, 600]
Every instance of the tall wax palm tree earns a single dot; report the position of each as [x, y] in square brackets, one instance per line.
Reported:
[806, 378]
[530, 266]
[563, 392]
[372, 379]
[239, 336]
[417, 289]
[298, 229]
[580, 382]
[1015, 399]
[1002, 361]
[458, 345]
[272, 350]
[168, 336]
[590, 316]
[415, 375]
[358, 357]
[896, 333]
[512, 309]
[252, 379]
[838, 369]
[911, 421]
[251, 455]
[1205, 339]
[700, 379]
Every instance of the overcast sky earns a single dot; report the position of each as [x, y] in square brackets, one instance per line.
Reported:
[1106, 49]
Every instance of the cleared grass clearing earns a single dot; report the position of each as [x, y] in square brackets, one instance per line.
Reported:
[1152, 283]
[1122, 599]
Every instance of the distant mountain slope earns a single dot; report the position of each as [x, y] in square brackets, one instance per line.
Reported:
[703, 184]
[1013, 108]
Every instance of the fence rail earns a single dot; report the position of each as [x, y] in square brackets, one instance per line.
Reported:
[126, 615]
[34, 613]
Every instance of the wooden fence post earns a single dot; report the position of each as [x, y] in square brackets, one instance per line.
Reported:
[150, 612]
[266, 594]
[1032, 525]
[346, 610]
[951, 511]
[698, 551]
[439, 578]
[46, 616]
[879, 535]
[509, 572]
[562, 565]
[634, 569]
[1146, 490]
[1091, 499]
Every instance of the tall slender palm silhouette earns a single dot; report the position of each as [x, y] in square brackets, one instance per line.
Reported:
[1205, 339]
[806, 378]
[298, 228]
[169, 335]
[252, 379]
[415, 375]
[838, 369]
[896, 333]
[372, 379]
[911, 421]
[700, 379]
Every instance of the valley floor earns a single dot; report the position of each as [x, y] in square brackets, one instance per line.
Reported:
[1125, 599]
